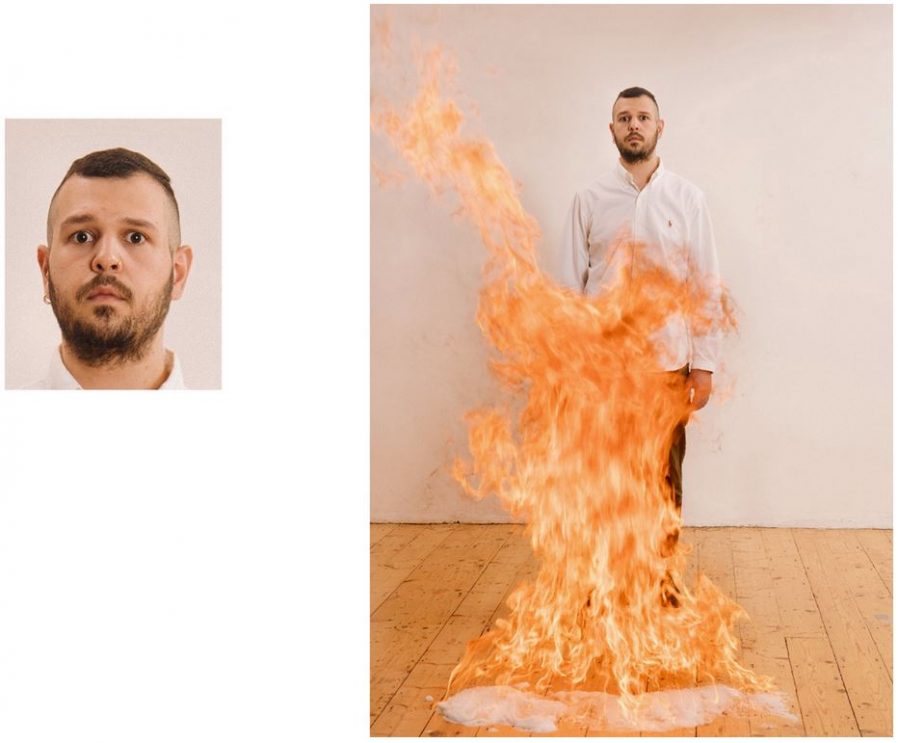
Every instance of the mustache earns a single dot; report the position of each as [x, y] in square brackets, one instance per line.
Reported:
[101, 281]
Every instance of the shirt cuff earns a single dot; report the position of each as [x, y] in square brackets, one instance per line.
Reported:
[704, 364]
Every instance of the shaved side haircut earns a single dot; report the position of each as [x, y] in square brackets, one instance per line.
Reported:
[636, 93]
[119, 163]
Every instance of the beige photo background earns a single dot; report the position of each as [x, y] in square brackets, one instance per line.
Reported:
[38, 154]
[782, 116]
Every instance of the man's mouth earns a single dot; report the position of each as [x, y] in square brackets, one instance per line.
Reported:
[103, 294]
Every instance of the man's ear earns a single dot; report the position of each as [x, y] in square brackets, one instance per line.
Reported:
[182, 260]
[43, 260]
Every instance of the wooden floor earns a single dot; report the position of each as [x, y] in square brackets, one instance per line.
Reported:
[820, 602]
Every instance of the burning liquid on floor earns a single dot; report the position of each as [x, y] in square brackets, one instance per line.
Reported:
[579, 451]
[654, 712]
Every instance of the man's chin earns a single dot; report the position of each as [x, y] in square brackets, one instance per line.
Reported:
[640, 155]
[105, 346]
[103, 312]
[635, 157]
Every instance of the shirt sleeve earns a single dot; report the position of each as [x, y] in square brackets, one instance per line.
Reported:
[704, 267]
[575, 248]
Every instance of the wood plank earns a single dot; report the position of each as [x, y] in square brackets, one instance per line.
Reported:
[435, 588]
[411, 708]
[877, 543]
[754, 590]
[439, 727]
[516, 554]
[825, 708]
[863, 671]
[499, 731]
[764, 646]
[379, 531]
[514, 566]
[398, 553]
[497, 581]
[526, 571]
[691, 537]
[676, 733]
[466, 623]
[407, 622]
[436, 725]
[715, 560]
[597, 733]
[797, 607]
[718, 562]
[864, 584]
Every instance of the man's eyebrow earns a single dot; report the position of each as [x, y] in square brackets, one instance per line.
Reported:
[140, 223]
[77, 219]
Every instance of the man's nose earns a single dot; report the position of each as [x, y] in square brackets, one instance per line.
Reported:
[107, 256]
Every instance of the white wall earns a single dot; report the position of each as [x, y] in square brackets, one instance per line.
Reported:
[782, 115]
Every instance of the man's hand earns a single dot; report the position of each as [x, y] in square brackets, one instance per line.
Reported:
[699, 385]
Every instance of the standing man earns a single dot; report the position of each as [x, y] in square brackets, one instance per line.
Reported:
[112, 264]
[663, 211]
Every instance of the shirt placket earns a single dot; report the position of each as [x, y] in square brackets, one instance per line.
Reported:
[637, 213]
[639, 207]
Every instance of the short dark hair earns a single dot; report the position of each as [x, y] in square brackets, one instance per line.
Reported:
[118, 163]
[636, 93]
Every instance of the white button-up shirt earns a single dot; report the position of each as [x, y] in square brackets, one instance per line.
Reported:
[59, 378]
[666, 215]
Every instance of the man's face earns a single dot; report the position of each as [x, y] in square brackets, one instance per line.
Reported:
[635, 127]
[109, 269]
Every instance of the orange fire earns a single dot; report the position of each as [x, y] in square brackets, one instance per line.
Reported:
[580, 449]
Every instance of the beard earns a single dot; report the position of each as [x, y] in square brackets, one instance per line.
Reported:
[638, 155]
[110, 338]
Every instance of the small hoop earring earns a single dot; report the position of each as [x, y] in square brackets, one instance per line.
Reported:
[46, 299]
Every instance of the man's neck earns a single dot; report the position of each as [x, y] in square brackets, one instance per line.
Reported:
[642, 171]
[149, 373]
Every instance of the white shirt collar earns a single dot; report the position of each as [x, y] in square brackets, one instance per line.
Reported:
[59, 378]
[625, 174]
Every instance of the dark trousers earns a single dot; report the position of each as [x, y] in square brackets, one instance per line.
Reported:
[674, 476]
[675, 465]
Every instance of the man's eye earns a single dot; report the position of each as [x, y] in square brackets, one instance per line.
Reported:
[81, 237]
[136, 238]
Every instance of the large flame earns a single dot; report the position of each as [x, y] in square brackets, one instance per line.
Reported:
[581, 454]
